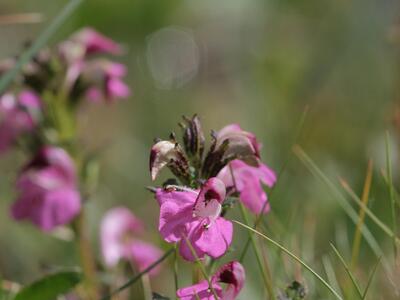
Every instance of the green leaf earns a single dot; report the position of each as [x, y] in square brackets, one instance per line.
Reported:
[49, 287]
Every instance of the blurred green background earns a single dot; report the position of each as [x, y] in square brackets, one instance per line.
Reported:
[259, 63]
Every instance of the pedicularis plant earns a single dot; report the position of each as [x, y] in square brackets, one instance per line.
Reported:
[39, 116]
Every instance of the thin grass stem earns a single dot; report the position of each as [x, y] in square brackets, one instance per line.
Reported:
[276, 244]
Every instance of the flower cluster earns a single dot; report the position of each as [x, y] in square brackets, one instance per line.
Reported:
[193, 205]
[38, 115]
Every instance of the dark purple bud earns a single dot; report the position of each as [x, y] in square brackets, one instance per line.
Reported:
[193, 139]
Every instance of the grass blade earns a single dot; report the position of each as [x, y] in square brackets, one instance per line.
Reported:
[276, 244]
[371, 276]
[361, 216]
[313, 168]
[391, 194]
[139, 276]
[330, 273]
[39, 43]
[346, 267]
[370, 214]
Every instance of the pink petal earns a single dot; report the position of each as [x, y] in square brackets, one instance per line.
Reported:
[48, 210]
[216, 239]
[193, 233]
[208, 203]
[174, 219]
[114, 69]
[232, 274]
[47, 187]
[267, 175]
[198, 291]
[116, 88]
[29, 99]
[253, 196]
[117, 223]
[179, 197]
[143, 255]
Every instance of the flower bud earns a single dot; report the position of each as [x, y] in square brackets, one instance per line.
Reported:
[230, 143]
[170, 154]
[193, 139]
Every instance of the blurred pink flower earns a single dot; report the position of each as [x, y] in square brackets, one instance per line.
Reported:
[85, 42]
[118, 232]
[105, 80]
[94, 42]
[195, 215]
[232, 274]
[17, 116]
[97, 78]
[48, 194]
[248, 181]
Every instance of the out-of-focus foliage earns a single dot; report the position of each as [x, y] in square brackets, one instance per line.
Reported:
[258, 63]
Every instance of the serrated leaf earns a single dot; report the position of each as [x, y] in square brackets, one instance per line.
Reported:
[49, 287]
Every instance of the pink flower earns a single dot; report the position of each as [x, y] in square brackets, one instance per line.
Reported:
[48, 194]
[248, 181]
[118, 232]
[240, 142]
[195, 215]
[18, 116]
[232, 274]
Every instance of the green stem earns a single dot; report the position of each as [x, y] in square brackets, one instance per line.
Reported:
[266, 274]
[138, 276]
[391, 195]
[201, 267]
[87, 259]
[146, 287]
[176, 268]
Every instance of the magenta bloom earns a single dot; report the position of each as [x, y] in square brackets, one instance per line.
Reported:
[118, 232]
[248, 181]
[48, 193]
[248, 178]
[195, 215]
[17, 116]
[232, 274]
